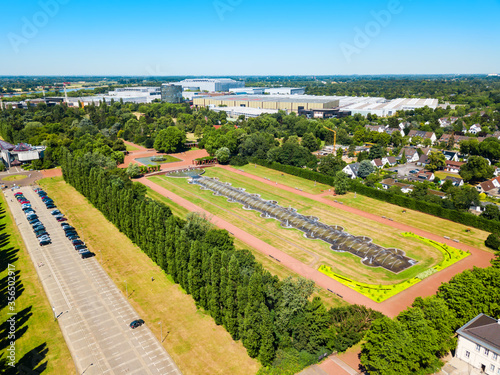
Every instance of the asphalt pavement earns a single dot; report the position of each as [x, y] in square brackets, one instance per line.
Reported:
[93, 314]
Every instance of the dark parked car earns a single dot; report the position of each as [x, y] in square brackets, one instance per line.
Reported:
[69, 227]
[80, 247]
[136, 323]
[60, 219]
[87, 254]
[45, 242]
[40, 234]
[77, 242]
[71, 234]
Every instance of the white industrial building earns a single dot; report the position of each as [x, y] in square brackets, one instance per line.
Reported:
[286, 91]
[384, 108]
[210, 84]
[20, 154]
[136, 91]
[249, 91]
[248, 112]
[479, 344]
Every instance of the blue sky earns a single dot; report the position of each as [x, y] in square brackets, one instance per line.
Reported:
[243, 37]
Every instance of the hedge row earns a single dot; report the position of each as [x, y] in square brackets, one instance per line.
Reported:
[461, 217]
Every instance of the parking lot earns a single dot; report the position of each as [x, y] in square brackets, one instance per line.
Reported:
[404, 170]
[93, 314]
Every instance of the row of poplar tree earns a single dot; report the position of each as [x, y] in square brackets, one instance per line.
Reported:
[266, 314]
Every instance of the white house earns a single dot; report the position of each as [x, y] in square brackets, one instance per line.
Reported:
[411, 154]
[422, 134]
[479, 344]
[474, 129]
[351, 170]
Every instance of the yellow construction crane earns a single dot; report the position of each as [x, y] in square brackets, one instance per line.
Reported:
[334, 137]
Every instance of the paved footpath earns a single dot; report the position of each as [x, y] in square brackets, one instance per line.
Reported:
[93, 313]
[392, 306]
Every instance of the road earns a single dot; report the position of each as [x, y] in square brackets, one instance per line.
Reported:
[93, 314]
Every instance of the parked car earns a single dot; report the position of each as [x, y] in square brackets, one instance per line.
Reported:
[87, 254]
[38, 227]
[70, 235]
[80, 247]
[68, 227]
[60, 219]
[45, 242]
[77, 242]
[73, 237]
[49, 206]
[136, 323]
[64, 225]
[41, 233]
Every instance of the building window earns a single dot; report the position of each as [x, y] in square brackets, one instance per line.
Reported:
[467, 354]
[492, 367]
[495, 356]
[486, 352]
[478, 347]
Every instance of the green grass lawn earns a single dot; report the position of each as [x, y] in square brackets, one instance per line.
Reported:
[16, 177]
[40, 345]
[285, 179]
[131, 147]
[432, 224]
[293, 242]
[272, 266]
[197, 345]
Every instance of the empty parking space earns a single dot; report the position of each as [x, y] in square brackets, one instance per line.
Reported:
[93, 314]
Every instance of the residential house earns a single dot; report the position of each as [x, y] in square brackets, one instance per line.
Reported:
[378, 163]
[423, 161]
[451, 155]
[490, 187]
[393, 130]
[351, 170]
[453, 166]
[388, 182]
[404, 125]
[423, 135]
[474, 129]
[391, 160]
[375, 128]
[479, 344]
[456, 181]
[411, 154]
[447, 121]
[425, 175]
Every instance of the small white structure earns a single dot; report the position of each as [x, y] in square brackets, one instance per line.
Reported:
[479, 344]
[286, 91]
[474, 129]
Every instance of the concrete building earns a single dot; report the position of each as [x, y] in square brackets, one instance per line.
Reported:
[136, 90]
[210, 84]
[291, 103]
[20, 154]
[286, 91]
[171, 93]
[479, 344]
[235, 112]
[249, 91]
[383, 108]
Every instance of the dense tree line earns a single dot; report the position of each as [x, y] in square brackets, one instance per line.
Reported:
[269, 316]
[418, 337]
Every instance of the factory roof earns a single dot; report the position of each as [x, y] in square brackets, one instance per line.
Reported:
[279, 98]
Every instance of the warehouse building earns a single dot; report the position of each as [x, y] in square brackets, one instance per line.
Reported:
[236, 112]
[286, 91]
[290, 103]
[19, 154]
[210, 84]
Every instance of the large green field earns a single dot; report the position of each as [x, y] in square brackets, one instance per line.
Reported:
[195, 342]
[416, 219]
[293, 242]
[272, 266]
[39, 343]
